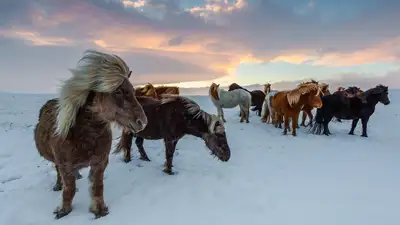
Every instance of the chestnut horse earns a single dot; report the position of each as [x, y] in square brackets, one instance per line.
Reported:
[288, 104]
[307, 109]
[230, 99]
[74, 129]
[170, 119]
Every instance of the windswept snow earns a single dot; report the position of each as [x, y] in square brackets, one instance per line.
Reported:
[270, 179]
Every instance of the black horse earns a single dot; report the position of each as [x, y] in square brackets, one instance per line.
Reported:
[349, 92]
[170, 119]
[257, 97]
[349, 108]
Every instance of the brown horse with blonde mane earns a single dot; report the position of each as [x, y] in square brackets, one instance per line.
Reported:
[307, 108]
[74, 130]
[287, 104]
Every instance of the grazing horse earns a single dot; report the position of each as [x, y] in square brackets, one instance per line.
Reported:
[351, 108]
[74, 129]
[257, 97]
[307, 109]
[170, 119]
[230, 99]
[288, 104]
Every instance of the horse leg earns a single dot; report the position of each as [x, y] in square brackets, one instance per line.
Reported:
[286, 124]
[68, 191]
[295, 124]
[98, 206]
[247, 113]
[221, 113]
[170, 146]
[364, 122]
[303, 119]
[58, 185]
[353, 126]
[139, 143]
[311, 118]
[325, 125]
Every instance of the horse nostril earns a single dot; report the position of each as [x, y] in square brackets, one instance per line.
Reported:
[140, 123]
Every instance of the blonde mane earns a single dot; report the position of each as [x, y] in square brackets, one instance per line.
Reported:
[148, 89]
[96, 71]
[294, 95]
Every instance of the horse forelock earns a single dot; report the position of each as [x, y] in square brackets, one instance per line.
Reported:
[96, 71]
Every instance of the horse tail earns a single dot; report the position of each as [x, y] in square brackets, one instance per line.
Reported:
[318, 120]
[264, 108]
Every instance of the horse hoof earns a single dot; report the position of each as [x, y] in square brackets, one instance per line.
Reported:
[247, 121]
[145, 159]
[294, 135]
[364, 135]
[60, 212]
[57, 187]
[127, 160]
[351, 133]
[78, 176]
[99, 211]
[168, 171]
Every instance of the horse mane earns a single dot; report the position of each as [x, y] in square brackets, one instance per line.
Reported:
[312, 81]
[167, 89]
[193, 110]
[294, 95]
[324, 87]
[375, 90]
[96, 71]
[213, 91]
[234, 86]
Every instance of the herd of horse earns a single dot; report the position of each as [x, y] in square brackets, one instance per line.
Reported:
[74, 130]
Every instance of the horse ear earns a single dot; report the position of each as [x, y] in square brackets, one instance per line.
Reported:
[129, 74]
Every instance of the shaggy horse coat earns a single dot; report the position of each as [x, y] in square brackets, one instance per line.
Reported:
[74, 131]
[230, 99]
[288, 104]
[170, 119]
[353, 108]
[257, 97]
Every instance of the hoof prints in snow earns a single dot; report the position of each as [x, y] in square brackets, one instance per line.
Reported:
[10, 179]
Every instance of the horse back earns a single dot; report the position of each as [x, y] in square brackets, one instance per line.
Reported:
[164, 119]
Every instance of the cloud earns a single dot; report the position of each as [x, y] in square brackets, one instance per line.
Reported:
[162, 40]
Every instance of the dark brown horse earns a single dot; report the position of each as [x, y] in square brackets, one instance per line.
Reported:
[257, 97]
[170, 119]
[74, 130]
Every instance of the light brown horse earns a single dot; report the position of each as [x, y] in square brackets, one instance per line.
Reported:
[288, 104]
[74, 129]
[307, 109]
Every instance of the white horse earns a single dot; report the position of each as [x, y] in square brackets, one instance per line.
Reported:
[230, 99]
[267, 113]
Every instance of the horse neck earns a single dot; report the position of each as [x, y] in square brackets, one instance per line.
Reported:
[88, 118]
[197, 126]
[303, 100]
[372, 100]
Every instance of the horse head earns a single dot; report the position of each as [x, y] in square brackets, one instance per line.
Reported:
[215, 139]
[382, 92]
[267, 88]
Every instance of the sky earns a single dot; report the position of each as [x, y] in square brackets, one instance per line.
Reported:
[191, 43]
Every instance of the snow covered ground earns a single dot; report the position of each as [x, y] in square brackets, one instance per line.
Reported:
[270, 179]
